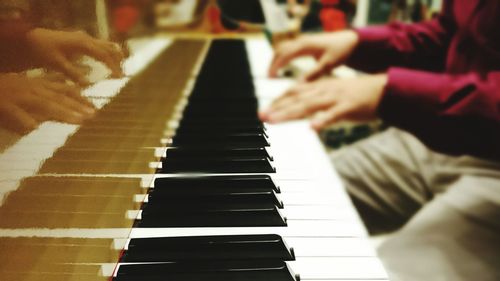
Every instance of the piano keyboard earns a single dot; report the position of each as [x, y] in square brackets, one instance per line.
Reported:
[232, 198]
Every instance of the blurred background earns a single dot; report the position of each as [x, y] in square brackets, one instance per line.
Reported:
[121, 19]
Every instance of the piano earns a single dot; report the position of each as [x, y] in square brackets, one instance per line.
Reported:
[177, 179]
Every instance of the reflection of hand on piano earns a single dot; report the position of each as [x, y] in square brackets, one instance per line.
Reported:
[26, 102]
[56, 49]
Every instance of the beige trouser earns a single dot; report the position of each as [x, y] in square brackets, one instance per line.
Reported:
[444, 210]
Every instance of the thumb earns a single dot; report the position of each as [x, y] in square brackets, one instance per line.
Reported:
[323, 66]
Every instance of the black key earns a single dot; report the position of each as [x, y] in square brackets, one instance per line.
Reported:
[251, 182]
[219, 115]
[243, 98]
[162, 197]
[233, 122]
[226, 105]
[225, 110]
[217, 165]
[195, 205]
[243, 139]
[210, 215]
[226, 247]
[251, 129]
[203, 152]
[199, 194]
[207, 271]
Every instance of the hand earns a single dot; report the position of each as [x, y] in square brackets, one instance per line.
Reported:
[27, 102]
[329, 100]
[57, 49]
[329, 49]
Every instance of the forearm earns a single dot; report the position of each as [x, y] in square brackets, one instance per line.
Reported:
[453, 114]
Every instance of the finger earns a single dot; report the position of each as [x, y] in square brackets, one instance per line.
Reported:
[273, 115]
[323, 66]
[71, 103]
[307, 106]
[56, 112]
[45, 108]
[296, 111]
[107, 53]
[64, 108]
[293, 92]
[39, 118]
[288, 97]
[332, 115]
[56, 77]
[15, 119]
[73, 72]
[285, 53]
[117, 52]
[72, 92]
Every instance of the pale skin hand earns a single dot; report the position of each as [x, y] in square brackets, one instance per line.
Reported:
[27, 102]
[329, 49]
[58, 49]
[329, 101]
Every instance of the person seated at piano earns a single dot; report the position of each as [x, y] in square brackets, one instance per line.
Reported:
[434, 178]
[26, 102]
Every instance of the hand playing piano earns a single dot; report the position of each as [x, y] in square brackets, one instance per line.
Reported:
[27, 102]
[59, 50]
[329, 100]
[329, 49]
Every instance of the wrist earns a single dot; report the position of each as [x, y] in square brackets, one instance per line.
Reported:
[345, 42]
[352, 37]
[379, 85]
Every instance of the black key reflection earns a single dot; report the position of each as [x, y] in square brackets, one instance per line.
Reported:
[209, 270]
[211, 215]
[184, 184]
[209, 152]
[217, 196]
[217, 165]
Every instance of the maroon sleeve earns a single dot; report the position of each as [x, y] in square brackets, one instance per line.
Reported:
[13, 30]
[456, 114]
[421, 45]
[13, 45]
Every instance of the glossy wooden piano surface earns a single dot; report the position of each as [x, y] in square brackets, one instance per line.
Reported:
[328, 238]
